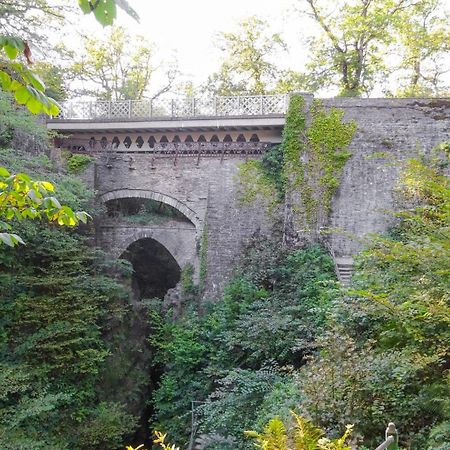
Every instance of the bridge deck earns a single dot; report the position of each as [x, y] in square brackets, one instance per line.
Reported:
[268, 122]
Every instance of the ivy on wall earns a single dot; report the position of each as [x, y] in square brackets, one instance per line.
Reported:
[203, 257]
[77, 163]
[308, 163]
[322, 161]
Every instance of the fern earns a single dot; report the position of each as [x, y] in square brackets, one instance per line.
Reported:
[303, 436]
[306, 435]
[274, 436]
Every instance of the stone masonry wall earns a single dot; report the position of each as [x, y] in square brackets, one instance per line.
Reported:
[389, 131]
[209, 188]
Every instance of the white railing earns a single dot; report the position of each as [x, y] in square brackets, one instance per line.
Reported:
[254, 105]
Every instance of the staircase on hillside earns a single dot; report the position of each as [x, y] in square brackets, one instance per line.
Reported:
[344, 269]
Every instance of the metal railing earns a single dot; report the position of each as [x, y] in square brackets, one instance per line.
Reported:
[252, 105]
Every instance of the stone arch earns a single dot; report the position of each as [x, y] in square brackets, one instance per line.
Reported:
[157, 196]
[174, 243]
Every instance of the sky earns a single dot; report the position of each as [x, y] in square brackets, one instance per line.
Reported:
[188, 29]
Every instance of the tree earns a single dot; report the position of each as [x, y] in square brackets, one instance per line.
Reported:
[348, 53]
[20, 196]
[248, 66]
[118, 67]
[15, 74]
[424, 48]
[54, 77]
[31, 19]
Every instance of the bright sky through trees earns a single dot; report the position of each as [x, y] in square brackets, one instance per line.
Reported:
[188, 30]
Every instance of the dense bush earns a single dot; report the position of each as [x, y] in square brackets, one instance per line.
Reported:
[59, 307]
[230, 358]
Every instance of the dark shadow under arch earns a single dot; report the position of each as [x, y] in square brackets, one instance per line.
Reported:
[155, 270]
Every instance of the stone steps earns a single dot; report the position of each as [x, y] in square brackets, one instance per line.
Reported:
[344, 269]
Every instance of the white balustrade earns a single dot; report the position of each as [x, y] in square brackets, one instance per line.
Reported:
[252, 105]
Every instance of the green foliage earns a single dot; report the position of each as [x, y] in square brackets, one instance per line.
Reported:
[15, 77]
[203, 256]
[26, 86]
[293, 131]
[349, 52]
[24, 198]
[309, 162]
[391, 362]
[269, 177]
[54, 77]
[56, 309]
[118, 67]
[187, 280]
[302, 435]
[247, 67]
[230, 357]
[405, 277]
[425, 45]
[264, 178]
[78, 163]
[105, 11]
[325, 155]
[14, 118]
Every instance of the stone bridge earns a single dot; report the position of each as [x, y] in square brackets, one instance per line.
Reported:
[186, 154]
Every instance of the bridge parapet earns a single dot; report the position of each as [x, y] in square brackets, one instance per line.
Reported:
[236, 106]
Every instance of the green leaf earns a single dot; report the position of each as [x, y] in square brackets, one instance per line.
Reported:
[6, 239]
[83, 216]
[23, 177]
[34, 196]
[11, 51]
[15, 85]
[54, 108]
[85, 6]
[35, 81]
[55, 203]
[4, 172]
[15, 42]
[17, 239]
[22, 95]
[34, 106]
[5, 80]
[4, 225]
[105, 12]
[47, 186]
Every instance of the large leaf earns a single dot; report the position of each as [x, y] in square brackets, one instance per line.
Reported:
[34, 106]
[22, 95]
[34, 80]
[105, 12]
[85, 6]
[12, 52]
[128, 9]
[5, 80]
